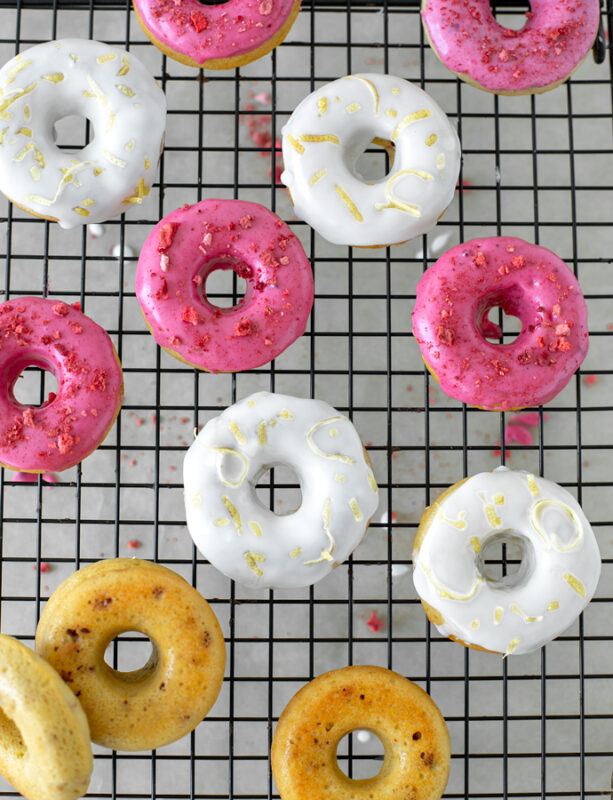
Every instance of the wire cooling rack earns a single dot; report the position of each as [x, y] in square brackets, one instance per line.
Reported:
[538, 167]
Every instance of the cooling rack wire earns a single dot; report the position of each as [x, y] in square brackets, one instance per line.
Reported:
[539, 167]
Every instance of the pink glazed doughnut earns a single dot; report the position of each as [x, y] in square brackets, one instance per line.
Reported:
[193, 241]
[35, 332]
[220, 36]
[527, 281]
[469, 41]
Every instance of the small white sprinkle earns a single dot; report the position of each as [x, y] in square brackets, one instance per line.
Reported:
[364, 736]
[127, 251]
[95, 231]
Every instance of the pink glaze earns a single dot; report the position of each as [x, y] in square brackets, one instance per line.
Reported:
[556, 37]
[203, 32]
[450, 323]
[193, 241]
[35, 332]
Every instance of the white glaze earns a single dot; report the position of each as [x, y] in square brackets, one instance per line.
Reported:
[334, 125]
[231, 527]
[127, 109]
[561, 563]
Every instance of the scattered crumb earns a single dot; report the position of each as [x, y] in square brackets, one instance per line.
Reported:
[590, 380]
[374, 623]
[133, 544]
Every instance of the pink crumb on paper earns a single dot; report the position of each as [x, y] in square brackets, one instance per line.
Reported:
[590, 380]
[44, 567]
[133, 544]
[374, 623]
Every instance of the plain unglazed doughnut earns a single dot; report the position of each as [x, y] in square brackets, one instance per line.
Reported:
[45, 751]
[174, 691]
[127, 110]
[403, 716]
[221, 36]
[524, 610]
[555, 39]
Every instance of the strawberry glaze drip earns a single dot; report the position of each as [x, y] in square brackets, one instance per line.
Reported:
[527, 281]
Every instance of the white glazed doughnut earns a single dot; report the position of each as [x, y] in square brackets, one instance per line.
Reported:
[334, 125]
[228, 523]
[522, 612]
[127, 109]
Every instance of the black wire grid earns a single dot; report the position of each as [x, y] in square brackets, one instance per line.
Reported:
[539, 167]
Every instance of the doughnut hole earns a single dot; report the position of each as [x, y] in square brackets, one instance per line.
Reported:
[360, 755]
[277, 487]
[131, 656]
[376, 161]
[11, 740]
[222, 283]
[506, 559]
[73, 133]
[512, 21]
[499, 317]
[34, 385]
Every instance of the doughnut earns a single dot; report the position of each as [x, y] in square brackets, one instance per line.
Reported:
[220, 36]
[68, 426]
[330, 129]
[450, 323]
[403, 716]
[126, 108]
[193, 241]
[469, 41]
[524, 610]
[164, 700]
[45, 752]
[232, 528]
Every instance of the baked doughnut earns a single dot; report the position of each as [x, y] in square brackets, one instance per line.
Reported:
[450, 323]
[220, 36]
[193, 241]
[45, 752]
[52, 335]
[232, 528]
[328, 132]
[127, 109]
[555, 39]
[161, 702]
[403, 716]
[523, 611]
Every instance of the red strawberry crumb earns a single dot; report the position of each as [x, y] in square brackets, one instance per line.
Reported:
[174, 340]
[76, 328]
[65, 443]
[167, 233]
[445, 335]
[590, 380]
[44, 567]
[284, 261]
[518, 261]
[479, 260]
[189, 315]
[76, 305]
[244, 327]
[133, 544]
[265, 7]
[374, 623]
[246, 221]
[28, 417]
[199, 21]
[60, 309]
[138, 421]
